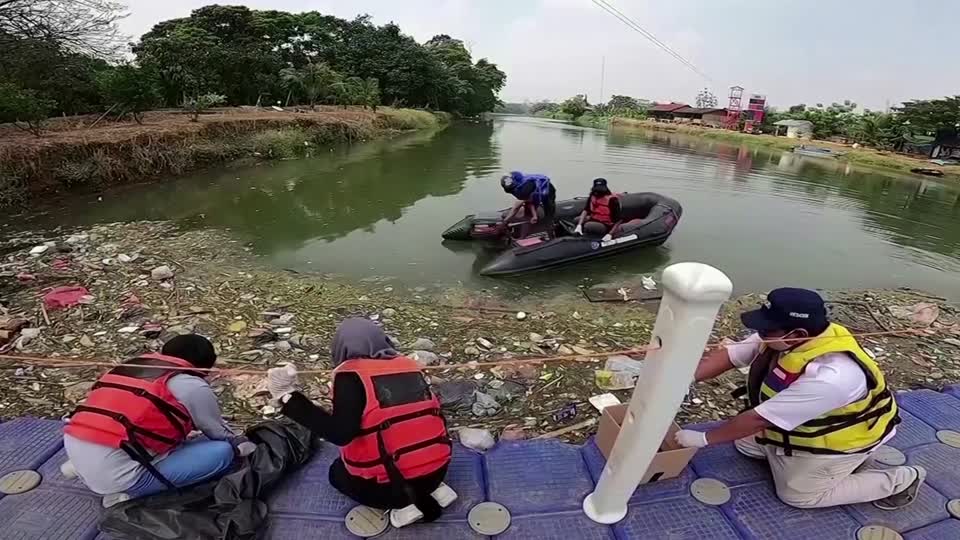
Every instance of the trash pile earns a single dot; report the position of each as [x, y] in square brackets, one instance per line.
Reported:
[112, 292]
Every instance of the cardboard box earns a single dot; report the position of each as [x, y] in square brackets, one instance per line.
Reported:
[669, 461]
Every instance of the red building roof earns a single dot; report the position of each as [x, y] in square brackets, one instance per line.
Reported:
[667, 107]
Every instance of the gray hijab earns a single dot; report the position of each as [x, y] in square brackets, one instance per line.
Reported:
[360, 338]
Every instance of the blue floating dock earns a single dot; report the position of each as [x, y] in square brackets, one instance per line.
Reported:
[543, 484]
[537, 477]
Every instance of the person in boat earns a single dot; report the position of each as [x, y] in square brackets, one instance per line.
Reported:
[535, 194]
[819, 407]
[394, 447]
[602, 214]
[129, 438]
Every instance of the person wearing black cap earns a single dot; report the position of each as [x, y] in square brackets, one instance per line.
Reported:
[601, 216]
[819, 407]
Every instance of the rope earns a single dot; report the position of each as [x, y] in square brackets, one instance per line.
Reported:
[73, 363]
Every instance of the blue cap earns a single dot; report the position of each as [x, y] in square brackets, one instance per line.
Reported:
[789, 309]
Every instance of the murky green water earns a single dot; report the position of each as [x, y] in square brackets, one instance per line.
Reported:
[766, 218]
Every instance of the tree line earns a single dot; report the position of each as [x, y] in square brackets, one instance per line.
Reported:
[61, 58]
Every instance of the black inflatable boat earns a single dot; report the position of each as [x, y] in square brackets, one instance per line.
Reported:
[649, 219]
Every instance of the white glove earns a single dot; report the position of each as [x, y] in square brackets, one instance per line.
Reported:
[691, 439]
[578, 230]
[282, 380]
[606, 238]
[246, 448]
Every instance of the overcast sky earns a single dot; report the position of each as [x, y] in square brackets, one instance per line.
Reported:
[873, 52]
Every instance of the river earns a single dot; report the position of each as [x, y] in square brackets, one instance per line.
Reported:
[376, 210]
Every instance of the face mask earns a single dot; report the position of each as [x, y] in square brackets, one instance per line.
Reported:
[782, 344]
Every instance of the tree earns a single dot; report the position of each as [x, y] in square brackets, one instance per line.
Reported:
[198, 104]
[292, 80]
[348, 91]
[370, 92]
[24, 106]
[544, 106]
[929, 116]
[706, 99]
[80, 26]
[318, 79]
[134, 89]
[575, 106]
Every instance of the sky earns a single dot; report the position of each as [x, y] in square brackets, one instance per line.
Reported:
[876, 53]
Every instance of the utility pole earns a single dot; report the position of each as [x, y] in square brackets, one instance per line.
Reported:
[603, 68]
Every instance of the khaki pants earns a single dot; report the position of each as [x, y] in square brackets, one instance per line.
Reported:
[809, 481]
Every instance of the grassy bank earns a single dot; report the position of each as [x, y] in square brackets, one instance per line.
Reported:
[867, 157]
[75, 154]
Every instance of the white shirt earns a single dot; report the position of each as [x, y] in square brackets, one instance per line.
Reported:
[829, 382]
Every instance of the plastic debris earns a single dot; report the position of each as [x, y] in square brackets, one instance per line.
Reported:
[237, 326]
[477, 439]
[485, 343]
[602, 401]
[568, 412]
[39, 250]
[485, 405]
[64, 297]
[648, 283]
[521, 315]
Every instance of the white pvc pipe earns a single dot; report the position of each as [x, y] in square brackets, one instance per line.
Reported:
[692, 296]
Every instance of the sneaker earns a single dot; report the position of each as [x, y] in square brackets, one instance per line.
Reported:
[68, 470]
[405, 516]
[114, 499]
[444, 495]
[905, 497]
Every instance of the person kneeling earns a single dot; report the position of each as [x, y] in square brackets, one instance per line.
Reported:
[394, 444]
[128, 439]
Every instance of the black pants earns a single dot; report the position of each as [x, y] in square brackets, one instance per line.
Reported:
[384, 496]
[595, 228]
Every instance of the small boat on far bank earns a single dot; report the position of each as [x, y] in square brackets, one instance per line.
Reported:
[815, 151]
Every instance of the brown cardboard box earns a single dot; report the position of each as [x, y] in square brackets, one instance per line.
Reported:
[669, 461]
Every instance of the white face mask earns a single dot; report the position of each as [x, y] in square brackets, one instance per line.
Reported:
[781, 343]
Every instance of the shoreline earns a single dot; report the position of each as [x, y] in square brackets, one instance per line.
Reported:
[866, 157]
[72, 157]
[259, 316]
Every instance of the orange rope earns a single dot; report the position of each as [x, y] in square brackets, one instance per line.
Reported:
[69, 363]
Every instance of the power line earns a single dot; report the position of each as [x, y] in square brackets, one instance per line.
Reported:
[603, 4]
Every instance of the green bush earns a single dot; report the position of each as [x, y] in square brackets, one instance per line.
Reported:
[281, 143]
[24, 106]
[406, 119]
[198, 104]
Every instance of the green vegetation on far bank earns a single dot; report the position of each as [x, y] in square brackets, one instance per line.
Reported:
[77, 157]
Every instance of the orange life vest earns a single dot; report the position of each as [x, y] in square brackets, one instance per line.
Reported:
[600, 209]
[131, 407]
[401, 422]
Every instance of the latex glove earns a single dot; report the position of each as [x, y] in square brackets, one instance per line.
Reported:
[282, 380]
[691, 439]
[606, 238]
[579, 230]
[246, 448]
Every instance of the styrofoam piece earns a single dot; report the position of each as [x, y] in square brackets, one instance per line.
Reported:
[888, 455]
[877, 532]
[726, 464]
[366, 522]
[43, 513]
[693, 293]
[948, 528]
[308, 491]
[25, 443]
[710, 491]
[758, 514]
[19, 482]
[565, 526]
[530, 477]
[653, 491]
[911, 432]
[949, 437]
[676, 519]
[940, 461]
[939, 410]
[489, 518]
[929, 507]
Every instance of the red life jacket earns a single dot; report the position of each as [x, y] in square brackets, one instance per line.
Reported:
[401, 422]
[600, 209]
[132, 408]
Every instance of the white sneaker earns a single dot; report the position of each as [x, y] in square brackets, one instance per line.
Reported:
[405, 516]
[444, 495]
[114, 499]
[68, 470]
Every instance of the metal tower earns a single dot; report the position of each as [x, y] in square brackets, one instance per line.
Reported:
[734, 107]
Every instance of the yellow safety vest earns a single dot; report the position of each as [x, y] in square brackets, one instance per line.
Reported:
[857, 427]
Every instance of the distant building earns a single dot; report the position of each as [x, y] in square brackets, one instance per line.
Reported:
[946, 145]
[706, 116]
[795, 129]
[664, 111]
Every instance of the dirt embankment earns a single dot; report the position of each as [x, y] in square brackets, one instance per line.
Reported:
[259, 317]
[867, 157]
[81, 153]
